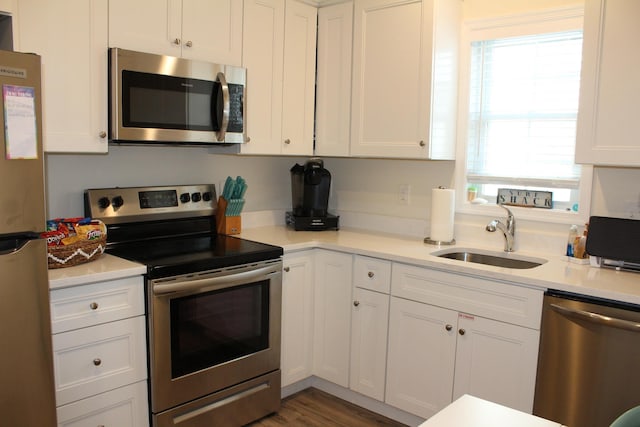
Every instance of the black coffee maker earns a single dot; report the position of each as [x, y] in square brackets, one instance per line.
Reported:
[310, 185]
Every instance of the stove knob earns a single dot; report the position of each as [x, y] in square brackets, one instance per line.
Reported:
[104, 202]
[185, 198]
[196, 197]
[117, 201]
[206, 196]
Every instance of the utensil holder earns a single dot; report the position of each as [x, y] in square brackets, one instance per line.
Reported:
[228, 225]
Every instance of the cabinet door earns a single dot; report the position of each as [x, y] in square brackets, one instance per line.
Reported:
[93, 360]
[212, 31]
[496, 361]
[333, 87]
[404, 94]
[390, 107]
[332, 319]
[609, 89]
[298, 96]
[158, 32]
[297, 317]
[369, 342]
[422, 345]
[262, 55]
[71, 37]
[95, 303]
[123, 407]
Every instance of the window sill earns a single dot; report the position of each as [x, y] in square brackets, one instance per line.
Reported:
[554, 216]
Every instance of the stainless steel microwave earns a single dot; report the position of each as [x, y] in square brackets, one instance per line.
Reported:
[167, 100]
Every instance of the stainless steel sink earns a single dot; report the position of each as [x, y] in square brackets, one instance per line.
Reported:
[495, 259]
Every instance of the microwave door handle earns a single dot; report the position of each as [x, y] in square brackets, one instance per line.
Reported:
[226, 107]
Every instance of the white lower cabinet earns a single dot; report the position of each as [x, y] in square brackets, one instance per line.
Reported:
[99, 353]
[496, 361]
[332, 316]
[122, 407]
[369, 343]
[439, 352]
[409, 336]
[297, 317]
[422, 349]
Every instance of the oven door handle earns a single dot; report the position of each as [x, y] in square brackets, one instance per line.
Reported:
[231, 279]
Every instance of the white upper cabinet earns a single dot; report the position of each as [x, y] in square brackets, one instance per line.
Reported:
[610, 86]
[279, 51]
[333, 86]
[71, 37]
[404, 85]
[206, 30]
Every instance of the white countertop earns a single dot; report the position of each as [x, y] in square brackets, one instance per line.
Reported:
[469, 411]
[106, 267]
[558, 273]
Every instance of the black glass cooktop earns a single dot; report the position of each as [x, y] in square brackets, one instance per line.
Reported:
[172, 256]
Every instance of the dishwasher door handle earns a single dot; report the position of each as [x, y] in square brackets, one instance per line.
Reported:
[597, 318]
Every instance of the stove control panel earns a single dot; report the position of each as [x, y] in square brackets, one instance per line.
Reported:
[130, 204]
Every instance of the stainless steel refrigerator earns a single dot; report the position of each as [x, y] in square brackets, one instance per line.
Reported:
[27, 396]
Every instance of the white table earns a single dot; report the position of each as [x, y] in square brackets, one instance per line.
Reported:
[469, 411]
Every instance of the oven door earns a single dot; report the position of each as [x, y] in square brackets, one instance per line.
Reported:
[213, 330]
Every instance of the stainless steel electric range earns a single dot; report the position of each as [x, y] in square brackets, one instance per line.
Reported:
[213, 304]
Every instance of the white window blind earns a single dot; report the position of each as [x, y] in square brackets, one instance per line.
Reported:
[522, 111]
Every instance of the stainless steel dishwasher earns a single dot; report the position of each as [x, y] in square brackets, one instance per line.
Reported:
[588, 363]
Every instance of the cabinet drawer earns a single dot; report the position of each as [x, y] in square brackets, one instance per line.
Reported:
[123, 407]
[88, 305]
[495, 300]
[372, 273]
[94, 360]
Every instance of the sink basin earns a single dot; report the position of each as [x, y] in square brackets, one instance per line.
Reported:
[495, 259]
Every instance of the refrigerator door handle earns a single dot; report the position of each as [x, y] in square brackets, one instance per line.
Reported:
[597, 318]
[10, 246]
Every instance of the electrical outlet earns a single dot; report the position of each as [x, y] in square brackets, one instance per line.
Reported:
[404, 194]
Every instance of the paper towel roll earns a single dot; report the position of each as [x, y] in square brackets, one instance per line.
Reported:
[443, 205]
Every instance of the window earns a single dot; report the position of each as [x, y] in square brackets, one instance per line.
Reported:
[520, 119]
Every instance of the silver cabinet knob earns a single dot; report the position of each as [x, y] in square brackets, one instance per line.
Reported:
[462, 331]
[286, 269]
[370, 274]
[356, 303]
[422, 144]
[247, 139]
[102, 135]
[448, 327]
[189, 43]
[176, 41]
[287, 141]
[93, 306]
[97, 362]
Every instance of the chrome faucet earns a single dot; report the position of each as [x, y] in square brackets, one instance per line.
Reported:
[509, 230]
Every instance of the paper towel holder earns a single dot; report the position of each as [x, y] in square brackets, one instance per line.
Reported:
[439, 242]
[430, 241]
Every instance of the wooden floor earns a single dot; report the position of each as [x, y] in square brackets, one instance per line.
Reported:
[315, 408]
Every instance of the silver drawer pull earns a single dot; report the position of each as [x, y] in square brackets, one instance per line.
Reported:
[97, 362]
[93, 306]
[462, 331]
[448, 327]
[356, 303]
